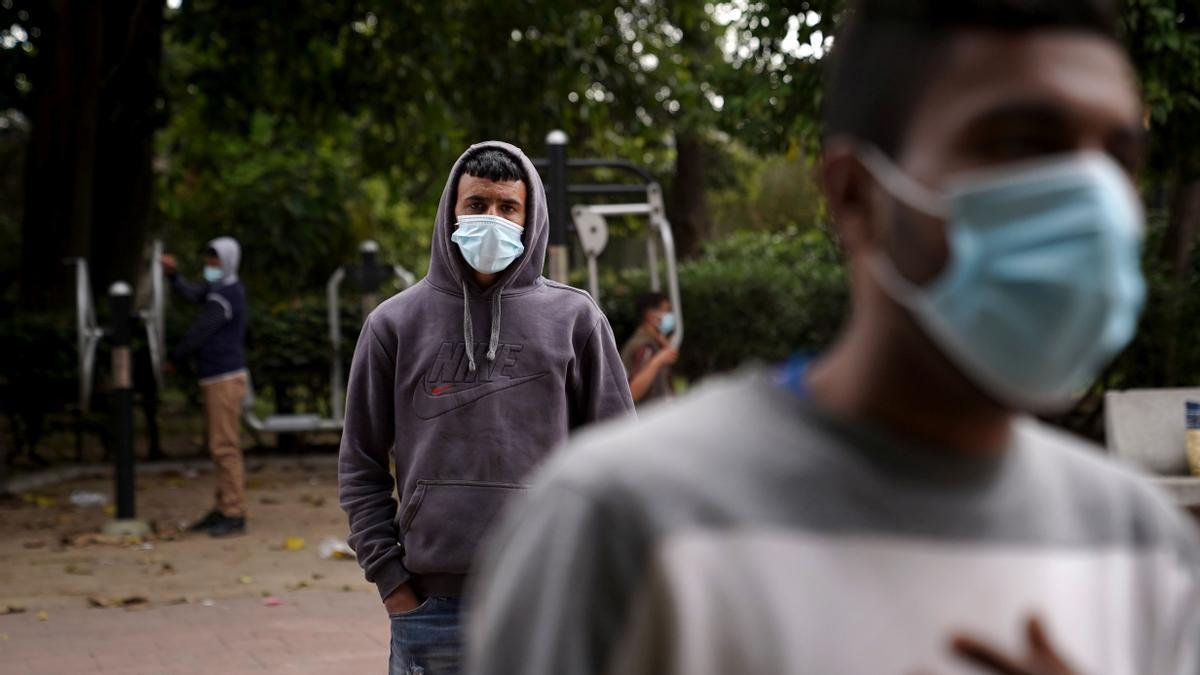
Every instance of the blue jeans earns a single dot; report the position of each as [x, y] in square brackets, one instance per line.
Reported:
[427, 640]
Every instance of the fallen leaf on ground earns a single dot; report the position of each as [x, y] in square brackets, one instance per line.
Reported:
[346, 588]
[317, 576]
[93, 538]
[316, 501]
[79, 570]
[293, 543]
[245, 579]
[335, 549]
[11, 609]
[303, 583]
[43, 615]
[106, 602]
[167, 568]
[269, 501]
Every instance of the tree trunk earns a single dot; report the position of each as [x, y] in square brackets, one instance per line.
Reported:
[1178, 244]
[59, 183]
[88, 175]
[127, 119]
[687, 204]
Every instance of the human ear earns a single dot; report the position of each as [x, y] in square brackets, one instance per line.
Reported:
[849, 188]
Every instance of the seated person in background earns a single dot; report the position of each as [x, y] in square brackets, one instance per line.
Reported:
[648, 355]
[895, 507]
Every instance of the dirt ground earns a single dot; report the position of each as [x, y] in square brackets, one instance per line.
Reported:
[52, 556]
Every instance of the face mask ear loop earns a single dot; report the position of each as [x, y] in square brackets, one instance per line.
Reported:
[900, 185]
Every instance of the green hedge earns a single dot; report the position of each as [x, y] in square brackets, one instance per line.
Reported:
[753, 296]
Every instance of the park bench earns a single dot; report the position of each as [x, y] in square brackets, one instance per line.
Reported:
[1146, 428]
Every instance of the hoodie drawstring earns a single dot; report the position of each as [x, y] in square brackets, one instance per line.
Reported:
[469, 328]
[494, 341]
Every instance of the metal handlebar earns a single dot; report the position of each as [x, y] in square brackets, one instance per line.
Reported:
[88, 332]
[592, 228]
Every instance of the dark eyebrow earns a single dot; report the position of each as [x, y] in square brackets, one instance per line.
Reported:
[510, 202]
[1024, 113]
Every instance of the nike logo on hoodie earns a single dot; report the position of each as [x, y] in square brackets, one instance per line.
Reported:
[449, 383]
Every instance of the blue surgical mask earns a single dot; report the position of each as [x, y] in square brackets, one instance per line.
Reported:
[666, 323]
[1043, 285]
[488, 243]
[212, 274]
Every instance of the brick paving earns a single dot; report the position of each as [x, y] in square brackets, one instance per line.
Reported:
[312, 632]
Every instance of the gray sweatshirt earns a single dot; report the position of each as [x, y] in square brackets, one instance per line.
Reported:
[465, 420]
[742, 530]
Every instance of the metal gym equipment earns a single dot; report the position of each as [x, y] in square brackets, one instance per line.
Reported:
[589, 221]
[120, 334]
[89, 333]
[368, 276]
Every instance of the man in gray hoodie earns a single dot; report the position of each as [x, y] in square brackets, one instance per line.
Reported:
[894, 507]
[464, 420]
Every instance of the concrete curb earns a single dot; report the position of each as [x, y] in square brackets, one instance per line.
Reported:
[54, 476]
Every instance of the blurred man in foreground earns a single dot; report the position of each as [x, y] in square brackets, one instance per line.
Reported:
[892, 507]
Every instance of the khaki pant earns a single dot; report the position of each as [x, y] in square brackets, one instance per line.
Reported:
[222, 414]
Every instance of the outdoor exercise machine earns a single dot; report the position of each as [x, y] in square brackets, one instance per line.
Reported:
[368, 276]
[120, 336]
[89, 333]
[589, 221]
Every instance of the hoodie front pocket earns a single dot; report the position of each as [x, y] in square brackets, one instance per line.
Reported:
[446, 520]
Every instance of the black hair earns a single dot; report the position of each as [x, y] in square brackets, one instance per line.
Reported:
[493, 164]
[648, 301]
[888, 50]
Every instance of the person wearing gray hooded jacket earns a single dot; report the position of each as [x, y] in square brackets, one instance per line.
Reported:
[465, 420]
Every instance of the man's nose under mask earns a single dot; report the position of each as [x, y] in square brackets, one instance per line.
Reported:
[489, 244]
[1043, 286]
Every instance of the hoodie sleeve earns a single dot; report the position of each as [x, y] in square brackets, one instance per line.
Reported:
[365, 482]
[191, 293]
[601, 388]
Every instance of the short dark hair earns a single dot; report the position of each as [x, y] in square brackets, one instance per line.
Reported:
[648, 301]
[888, 50]
[493, 164]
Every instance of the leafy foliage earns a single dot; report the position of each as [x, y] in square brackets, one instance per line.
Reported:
[751, 297]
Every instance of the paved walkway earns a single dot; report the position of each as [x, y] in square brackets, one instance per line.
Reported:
[312, 632]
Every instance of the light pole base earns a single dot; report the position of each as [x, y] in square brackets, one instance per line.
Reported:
[126, 528]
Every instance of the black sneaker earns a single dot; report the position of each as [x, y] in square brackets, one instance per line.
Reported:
[206, 522]
[227, 527]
